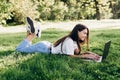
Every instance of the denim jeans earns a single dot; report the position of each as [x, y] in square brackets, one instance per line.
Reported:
[27, 47]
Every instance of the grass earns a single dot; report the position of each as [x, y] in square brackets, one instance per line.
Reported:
[19, 66]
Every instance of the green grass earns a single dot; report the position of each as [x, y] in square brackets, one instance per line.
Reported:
[19, 66]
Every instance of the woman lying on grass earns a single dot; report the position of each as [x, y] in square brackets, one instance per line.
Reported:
[69, 45]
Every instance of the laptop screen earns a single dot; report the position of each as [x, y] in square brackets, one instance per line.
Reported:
[106, 50]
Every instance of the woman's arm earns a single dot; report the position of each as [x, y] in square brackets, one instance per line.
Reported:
[87, 55]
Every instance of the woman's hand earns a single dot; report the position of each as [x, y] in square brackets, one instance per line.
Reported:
[87, 55]
[90, 55]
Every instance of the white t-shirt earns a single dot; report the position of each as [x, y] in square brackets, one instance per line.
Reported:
[68, 47]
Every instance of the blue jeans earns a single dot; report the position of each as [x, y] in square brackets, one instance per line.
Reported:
[27, 47]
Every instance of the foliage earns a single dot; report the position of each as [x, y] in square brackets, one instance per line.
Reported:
[15, 11]
[52, 10]
[23, 8]
[38, 66]
[114, 5]
[5, 11]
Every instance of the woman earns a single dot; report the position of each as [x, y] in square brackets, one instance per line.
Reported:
[69, 45]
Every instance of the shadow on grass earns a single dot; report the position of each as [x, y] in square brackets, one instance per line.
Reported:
[9, 52]
[97, 50]
[6, 53]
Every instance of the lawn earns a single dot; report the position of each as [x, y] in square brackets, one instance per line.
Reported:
[37, 66]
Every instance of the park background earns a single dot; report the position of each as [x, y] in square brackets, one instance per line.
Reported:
[101, 16]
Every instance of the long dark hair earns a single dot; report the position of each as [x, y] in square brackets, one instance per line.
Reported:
[74, 36]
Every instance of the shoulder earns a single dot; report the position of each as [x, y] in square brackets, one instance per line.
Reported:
[68, 39]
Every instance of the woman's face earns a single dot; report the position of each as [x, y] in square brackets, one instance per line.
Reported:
[82, 34]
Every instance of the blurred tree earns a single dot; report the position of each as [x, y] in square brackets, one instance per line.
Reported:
[58, 11]
[102, 9]
[23, 8]
[97, 9]
[5, 11]
[115, 6]
[17, 10]
[52, 10]
[44, 8]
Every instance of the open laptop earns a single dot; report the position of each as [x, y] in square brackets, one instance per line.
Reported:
[105, 52]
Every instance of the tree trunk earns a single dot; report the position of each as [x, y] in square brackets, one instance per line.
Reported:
[97, 10]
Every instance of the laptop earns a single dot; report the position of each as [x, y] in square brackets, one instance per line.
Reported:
[105, 52]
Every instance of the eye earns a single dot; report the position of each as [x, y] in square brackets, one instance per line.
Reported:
[85, 33]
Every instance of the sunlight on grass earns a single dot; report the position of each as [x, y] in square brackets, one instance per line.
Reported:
[12, 60]
[95, 44]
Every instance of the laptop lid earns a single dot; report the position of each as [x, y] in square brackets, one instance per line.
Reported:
[106, 50]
